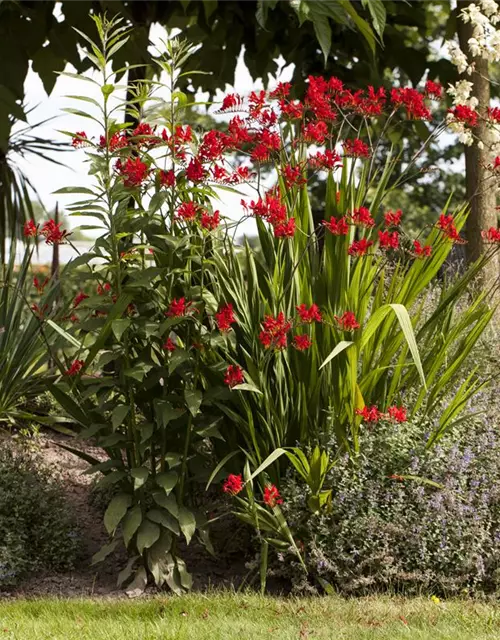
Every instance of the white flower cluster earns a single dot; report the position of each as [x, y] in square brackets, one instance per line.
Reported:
[484, 43]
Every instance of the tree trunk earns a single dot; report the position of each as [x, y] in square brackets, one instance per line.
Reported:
[479, 189]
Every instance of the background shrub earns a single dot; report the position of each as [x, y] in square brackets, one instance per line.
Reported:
[384, 532]
[36, 530]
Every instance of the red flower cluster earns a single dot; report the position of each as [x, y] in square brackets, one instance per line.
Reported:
[80, 140]
[233, 484]
[178, 308]
[134, 172]
[272, 496]
[360, 247]
[231, 101]
[388, 239]
[210, 222]
[169, 345]
[234, 376]
[347, 321]
[494, 114]
[166, 178]
[327, 160]
[413, 101]
[75, 368]
[195, 171]
[302, 342]
[337, 226]
[421, 251]
[225, 317]
[143, 134]
[116, 141]
[40, 286]
[369, 414]
[313, 314]
[463, 113]
[447, 225]
[372, 414]
[79, 298]
[30, 229]
[274, 332]
[188, 210]
[356, 148]
[293, 176]
[103, 288]
[398, 414]
[362, 217]
[433, 90]
[273, 211]
[393, 218]
[53, 233]
[491, 235]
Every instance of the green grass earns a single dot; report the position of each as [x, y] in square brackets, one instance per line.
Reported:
[248, 617]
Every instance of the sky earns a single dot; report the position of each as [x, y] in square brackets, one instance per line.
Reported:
[48, 178]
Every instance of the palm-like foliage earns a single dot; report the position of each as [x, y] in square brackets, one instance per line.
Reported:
[16, 187]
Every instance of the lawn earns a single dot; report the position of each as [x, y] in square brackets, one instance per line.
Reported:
[247, 617]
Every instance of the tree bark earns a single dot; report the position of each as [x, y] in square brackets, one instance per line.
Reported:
[481, 192]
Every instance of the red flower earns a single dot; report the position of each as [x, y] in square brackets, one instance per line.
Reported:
[496, 163]
[75, 368]
[398, 414]
[347, 321]
[40, 286]
[39, 311]
[313, 314]
[393, 218]
[178, 308]
[169, 345]
[292, 109]
[293, 176]
[274, 333]
[388, 240]
[167, 178]
[233, 484]
[117, 141]
[328, 160]
[282, 90]
[433, 90]
[144, 134]
[134, 172]
[102, 289]
[338, 227]
[359, 247]
[491, 235]
[302, 342]
[315, 132]
[413, 101]
[447, 226]
[285, 229]
[272, 496]
[369, 414]
[188, 210]
[195, 171]
[356, 148]
[208, 221]
[79, 298]
[494, 114]
[231, 101]
[464, 114]
[53, 233]
[421, 251]
[80, 139]
[225, 317]
[30, 229]
[234, 376]
[363, 217]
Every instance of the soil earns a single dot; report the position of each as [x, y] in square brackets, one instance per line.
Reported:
[226, 569]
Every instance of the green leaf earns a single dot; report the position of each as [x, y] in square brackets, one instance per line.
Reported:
[245, 386]
[378, 14]
[219, 467]
[117, 508]
[126, 572]
[119, 327]
[70, 406]
[104, 552]
[167, 481]
[65, 334]
[165, 519]
[148, 534]
[187, 522]
[271, 459]
[407, 328]
[116, 311]
[140, 475]
[193, 400]
[166, 502]
[131, 523]
[138, 584]
[344, 344]
[323, 34]
[119, 414]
